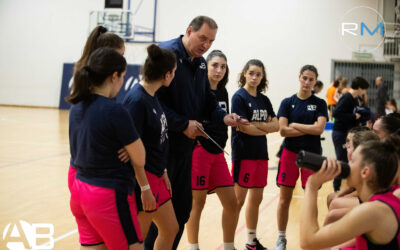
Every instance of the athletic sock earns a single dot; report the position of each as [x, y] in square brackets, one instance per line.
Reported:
[251, 235]
[282, 234]
[229, 246]
[194, 246]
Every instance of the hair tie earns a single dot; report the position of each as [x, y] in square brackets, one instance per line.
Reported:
[102, 29]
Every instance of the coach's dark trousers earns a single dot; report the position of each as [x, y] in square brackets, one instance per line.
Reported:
[180, 175]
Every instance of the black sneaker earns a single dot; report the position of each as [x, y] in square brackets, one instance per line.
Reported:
[257, 246]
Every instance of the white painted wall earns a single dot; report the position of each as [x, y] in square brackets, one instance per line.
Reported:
[41, 35]
[37, 37]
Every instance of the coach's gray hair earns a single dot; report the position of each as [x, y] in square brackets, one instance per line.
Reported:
[198, 21]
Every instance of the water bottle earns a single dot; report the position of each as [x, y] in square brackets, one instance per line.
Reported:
[314, 162]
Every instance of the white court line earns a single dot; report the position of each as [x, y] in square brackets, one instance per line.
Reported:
[61, 237]
[65, 235]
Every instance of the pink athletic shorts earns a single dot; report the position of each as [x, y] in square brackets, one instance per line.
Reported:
[250, 173]
[71, 176]
[159, 190]
[288, 171]
[395, 187]
[209, 171]
[104, 215]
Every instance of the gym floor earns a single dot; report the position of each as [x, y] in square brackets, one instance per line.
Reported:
[34, 161]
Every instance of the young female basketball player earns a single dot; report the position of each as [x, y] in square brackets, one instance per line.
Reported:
[151, 125]
[98, 38]
[347, 199]
[394, 139]
[102, 198]
[342, 205]
[374, 223]
[210, 171]
[249, 143]
[340, 202]
[350, 145]
[387, 125]
[302, 119]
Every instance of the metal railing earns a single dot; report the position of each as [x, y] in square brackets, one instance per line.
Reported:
[391, 44]
[369, 71]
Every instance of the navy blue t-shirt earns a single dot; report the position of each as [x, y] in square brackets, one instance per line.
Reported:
[217, 131]
[151, 124]
[98, 128]
[254, 109]
[304, 112]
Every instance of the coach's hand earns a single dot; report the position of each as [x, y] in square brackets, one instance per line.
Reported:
[234, 120]
[192, 131]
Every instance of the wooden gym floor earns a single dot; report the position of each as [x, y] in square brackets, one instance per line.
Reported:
[34, 160]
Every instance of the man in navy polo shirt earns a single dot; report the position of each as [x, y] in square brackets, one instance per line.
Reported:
[186, 101]
[381, 97]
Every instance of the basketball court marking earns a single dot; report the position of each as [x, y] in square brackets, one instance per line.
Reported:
[60, 237]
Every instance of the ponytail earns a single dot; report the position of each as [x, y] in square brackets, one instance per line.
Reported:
[81, 86]
[158, 63]
[102, 63]
[98, 38]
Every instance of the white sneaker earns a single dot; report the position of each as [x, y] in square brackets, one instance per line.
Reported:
[281, 244]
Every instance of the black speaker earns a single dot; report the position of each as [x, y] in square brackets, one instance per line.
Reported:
[114, 4]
